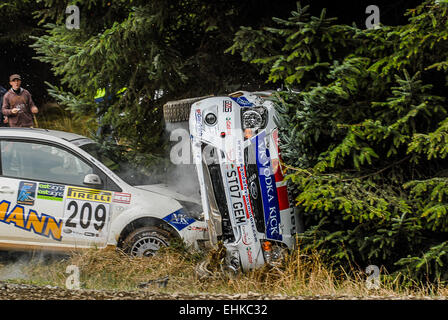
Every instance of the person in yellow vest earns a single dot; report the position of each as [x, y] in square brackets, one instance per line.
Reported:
[102, 100]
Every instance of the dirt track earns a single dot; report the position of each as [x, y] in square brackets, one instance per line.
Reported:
[10, 291]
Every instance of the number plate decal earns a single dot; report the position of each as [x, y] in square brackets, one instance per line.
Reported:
[236, 197]
[86, 219]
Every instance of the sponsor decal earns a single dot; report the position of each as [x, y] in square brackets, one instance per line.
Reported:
[179, 219]
[237, 206]
[228, 126]
[240, 204]
[246, 199]
[202, 229]
[89, 194]
[229, 143]
[278, 168]
[27, 193]
[227, 106]
[246, 238]
[198, 117]
[253, 190]
[249, 255]
[242, 101]
[230, 155]
[86, 218]
[275, 138]
[43, 225]
[87, 212]
[243, 181]
[49, 191]
[121, 197]
[239, 151]
[268, 188]
[283, 198]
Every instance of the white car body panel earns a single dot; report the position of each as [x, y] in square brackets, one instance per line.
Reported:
[50, 222]
[227, 138]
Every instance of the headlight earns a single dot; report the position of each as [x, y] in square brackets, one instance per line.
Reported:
[253, 118]
[273, 253]
[210, 119]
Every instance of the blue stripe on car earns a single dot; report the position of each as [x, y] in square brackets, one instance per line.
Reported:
[268, 188]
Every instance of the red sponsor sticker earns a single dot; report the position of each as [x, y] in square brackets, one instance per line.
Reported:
[228, 126]
[120, 197]
[277, 168]
[275, 137]
[246, 200]
[283, 200]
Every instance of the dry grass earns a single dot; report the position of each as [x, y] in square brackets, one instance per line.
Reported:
[300, 275]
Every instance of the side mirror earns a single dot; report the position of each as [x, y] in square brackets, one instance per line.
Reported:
[92, 179]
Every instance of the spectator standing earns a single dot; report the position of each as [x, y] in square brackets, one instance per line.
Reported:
[18, 105]
[3, 119]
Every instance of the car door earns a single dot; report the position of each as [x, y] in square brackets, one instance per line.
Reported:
[43, 199]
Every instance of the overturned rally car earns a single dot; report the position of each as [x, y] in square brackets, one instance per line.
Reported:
[243, 192]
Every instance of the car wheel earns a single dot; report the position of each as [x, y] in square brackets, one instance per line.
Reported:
[146, 241]
[179, 110]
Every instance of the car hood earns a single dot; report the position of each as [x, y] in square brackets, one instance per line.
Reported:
[169, 191]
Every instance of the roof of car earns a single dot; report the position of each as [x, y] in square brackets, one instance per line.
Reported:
[68, 136]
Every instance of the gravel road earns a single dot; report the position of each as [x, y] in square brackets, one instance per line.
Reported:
[10, 291]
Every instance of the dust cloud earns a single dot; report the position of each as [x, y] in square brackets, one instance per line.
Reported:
[182, 177]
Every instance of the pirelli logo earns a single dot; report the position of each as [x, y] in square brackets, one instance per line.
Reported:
[89, 194]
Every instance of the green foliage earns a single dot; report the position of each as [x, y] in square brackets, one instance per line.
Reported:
[159, 50]
[16, 23]
[300, 46]
[363, 130]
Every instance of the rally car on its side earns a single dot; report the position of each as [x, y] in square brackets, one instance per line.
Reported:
[244, 196]
[55, 194]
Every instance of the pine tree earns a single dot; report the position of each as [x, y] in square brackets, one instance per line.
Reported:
[363, 124]
[159, 50]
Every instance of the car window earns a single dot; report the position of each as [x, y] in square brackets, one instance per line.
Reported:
[95, 150]
[35, 161]
[119, 165]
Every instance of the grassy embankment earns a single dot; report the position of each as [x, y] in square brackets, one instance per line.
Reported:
[300, 275]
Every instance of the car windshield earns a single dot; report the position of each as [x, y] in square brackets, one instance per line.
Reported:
[120, 167]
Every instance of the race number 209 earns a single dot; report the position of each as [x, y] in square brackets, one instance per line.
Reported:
[86, 218]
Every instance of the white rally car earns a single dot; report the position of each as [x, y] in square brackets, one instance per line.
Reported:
[244, 196]
[56, 195]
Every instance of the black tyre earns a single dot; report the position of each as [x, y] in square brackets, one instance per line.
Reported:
[146, 241]
[179, 110]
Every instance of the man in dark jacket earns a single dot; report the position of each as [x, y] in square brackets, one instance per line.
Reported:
[18, 105]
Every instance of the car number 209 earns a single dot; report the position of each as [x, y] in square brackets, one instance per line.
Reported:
[239, 215]
[85, 219]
